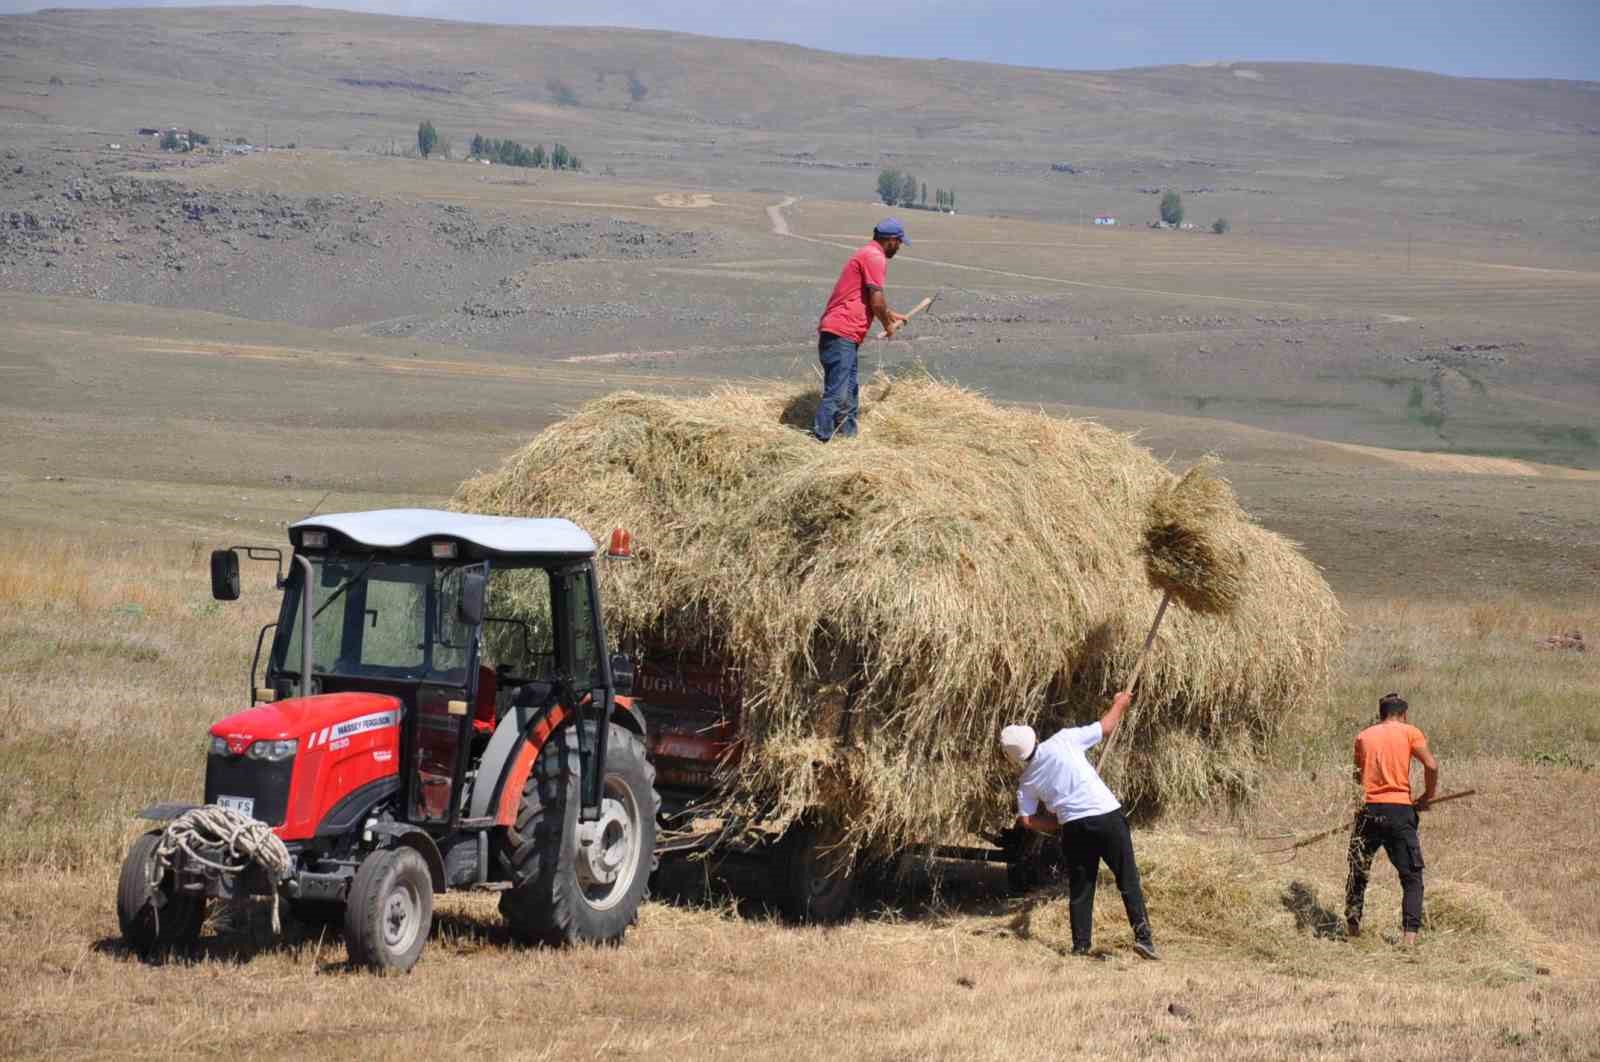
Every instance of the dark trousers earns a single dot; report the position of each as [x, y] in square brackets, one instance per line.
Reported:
[841, 393]
[1392, 827]
[1085, 843]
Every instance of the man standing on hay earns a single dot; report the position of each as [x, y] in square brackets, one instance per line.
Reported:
[1090, 819]
[1388, 815]
[856, 299]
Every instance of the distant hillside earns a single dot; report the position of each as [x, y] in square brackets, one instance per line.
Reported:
[335, 65]
[749, 114]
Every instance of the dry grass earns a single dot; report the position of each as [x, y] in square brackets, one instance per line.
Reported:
[894, 600]
[114, 661]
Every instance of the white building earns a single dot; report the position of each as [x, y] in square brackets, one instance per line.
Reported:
[1104, 219]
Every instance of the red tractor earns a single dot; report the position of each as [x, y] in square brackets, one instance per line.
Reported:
[403, 741]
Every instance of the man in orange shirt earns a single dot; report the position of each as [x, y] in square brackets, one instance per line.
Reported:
[1388, 817]
[857, 298]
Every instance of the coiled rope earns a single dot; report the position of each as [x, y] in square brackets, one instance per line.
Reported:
[227, 841]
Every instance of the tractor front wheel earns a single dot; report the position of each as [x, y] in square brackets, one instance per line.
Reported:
[155, 918]
[389, 911]
[574, 885]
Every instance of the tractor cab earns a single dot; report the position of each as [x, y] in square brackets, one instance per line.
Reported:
[412, 620]
[437, 709]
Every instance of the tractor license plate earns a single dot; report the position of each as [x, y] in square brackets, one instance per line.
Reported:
[243, 805]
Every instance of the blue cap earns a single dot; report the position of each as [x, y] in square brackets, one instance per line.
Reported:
[891, 227]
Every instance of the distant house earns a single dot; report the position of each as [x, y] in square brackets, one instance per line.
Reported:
[1104, 219]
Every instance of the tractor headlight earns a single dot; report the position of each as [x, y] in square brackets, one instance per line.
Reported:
[273, 751]
[219, 746]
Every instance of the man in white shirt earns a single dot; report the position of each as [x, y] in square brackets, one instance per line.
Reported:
[1057, 775]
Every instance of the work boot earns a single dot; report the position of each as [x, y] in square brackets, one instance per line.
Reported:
[1081, 949]
[1352, 928]
[1146, 949]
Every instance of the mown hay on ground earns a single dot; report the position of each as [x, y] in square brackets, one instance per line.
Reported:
[892, 600]
[1212, 893]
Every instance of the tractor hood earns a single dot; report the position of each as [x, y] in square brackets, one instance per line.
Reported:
[310, 720]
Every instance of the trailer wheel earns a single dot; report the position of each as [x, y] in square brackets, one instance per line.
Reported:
[1034, 862]
[389, 910]
[155, 918]
[566, 892]
[813, 877]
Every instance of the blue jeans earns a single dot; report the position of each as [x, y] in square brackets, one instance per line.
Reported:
[841, 394]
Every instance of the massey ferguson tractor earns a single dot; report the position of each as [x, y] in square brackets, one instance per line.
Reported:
[403, 740]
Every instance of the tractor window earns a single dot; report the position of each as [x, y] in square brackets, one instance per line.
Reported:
[391, 619]
[587, 649]
[392, 632]
[451, 638]
[329, 612]
[518, 637]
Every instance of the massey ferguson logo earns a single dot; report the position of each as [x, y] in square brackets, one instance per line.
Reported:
[350, 727]
[238, 744]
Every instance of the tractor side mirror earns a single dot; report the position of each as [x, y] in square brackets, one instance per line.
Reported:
[474, 587]
[622, 673]
[224, 575]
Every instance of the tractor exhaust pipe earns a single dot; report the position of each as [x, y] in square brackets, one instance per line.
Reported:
[307, 575]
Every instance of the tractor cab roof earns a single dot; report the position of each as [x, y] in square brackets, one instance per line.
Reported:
[411, 531]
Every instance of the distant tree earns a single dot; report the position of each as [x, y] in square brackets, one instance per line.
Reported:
[950, 199]
[55, 81]
[196, 139]
[637, 90]
[1172, 208]
[537, 157]
[477, 145]
[908, 190]
[559, 157]
[1220, 226]
[889, 186]
[924, 193]
[427, 137]
[170, 140]
[1414, 400]
[561, 92]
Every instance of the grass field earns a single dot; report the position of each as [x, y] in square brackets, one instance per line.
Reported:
[114, 662]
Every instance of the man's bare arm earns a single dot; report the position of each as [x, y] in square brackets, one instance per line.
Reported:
[879, 305]
[1043, 822]
[1430, 775]
[1113, 716]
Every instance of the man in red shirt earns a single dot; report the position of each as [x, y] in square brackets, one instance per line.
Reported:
[1388, 817]
[857, 298]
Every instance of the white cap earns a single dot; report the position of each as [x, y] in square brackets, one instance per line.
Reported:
[1018, 741]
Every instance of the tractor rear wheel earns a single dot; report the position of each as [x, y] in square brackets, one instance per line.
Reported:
[155, 918]
[571, 885]
[389, 910]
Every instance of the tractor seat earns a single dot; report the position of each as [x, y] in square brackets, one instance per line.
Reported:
[483, 709]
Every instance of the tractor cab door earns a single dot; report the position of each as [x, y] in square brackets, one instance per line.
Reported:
[440, 741]
[586, 674]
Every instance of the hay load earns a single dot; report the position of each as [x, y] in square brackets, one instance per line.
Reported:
[891, 601]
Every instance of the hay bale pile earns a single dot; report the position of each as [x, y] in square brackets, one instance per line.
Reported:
[893, 600]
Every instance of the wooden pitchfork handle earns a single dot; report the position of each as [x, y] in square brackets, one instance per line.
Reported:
[1138, 669]
[918, 308]
[1305, 842]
